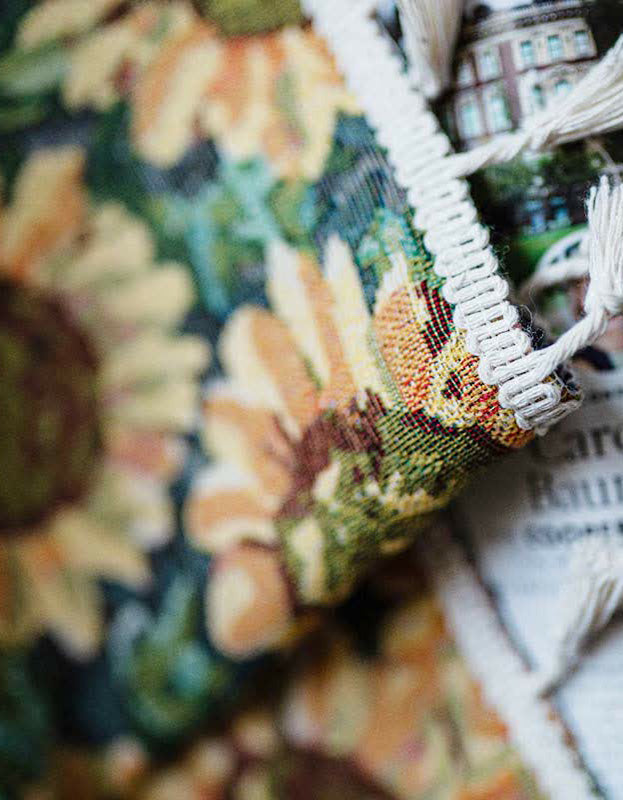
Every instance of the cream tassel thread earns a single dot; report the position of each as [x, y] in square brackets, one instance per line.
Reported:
[604, 300]
[593, 591]
[430, 29]
[592, 594]
[594, 106]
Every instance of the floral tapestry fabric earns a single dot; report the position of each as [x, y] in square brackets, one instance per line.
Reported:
[93, 437]
[397, 720]
[231, 386]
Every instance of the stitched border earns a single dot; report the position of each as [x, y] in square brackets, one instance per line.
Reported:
[509, 687]
[420, 154]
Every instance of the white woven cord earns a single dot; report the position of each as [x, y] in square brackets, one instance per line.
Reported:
[604, 297]
[430, 29]
[419, 153]
[537, 732]
[592, 107]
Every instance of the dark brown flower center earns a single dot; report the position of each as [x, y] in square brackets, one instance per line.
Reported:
[49, 431]
[308, 776]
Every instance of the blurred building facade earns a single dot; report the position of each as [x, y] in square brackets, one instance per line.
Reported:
[513, 62]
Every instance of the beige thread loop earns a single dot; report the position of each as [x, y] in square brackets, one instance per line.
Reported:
[419, 153]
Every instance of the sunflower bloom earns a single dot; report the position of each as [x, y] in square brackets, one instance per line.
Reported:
[97, 389]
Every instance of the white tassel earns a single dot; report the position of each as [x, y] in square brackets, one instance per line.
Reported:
[590, 597]
[593, 106]
[604, 300]
[430, 29]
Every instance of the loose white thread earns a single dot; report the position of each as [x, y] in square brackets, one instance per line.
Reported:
[594, 106]
[591, 595]
[418, 152]
[604, 299]
[430, 29]
[508, 686]
[592, 591]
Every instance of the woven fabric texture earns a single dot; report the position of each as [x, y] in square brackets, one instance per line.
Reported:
[231, 387]
[389, 713]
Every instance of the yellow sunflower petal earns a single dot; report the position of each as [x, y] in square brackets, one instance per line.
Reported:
[119, 246]
[451, 407]
[164, 406]
[320, 93]
[149, 452]
[259, 353]
[170, 93]
[240, 103]
[153, 357]
[70, 605]
[90, 548]
[288, 288]
[327, 707]
[307, 544]
[133, 503]
[352, 320]
[247, 605]
[55, 19]
[95, 62]
[400, 701]
[47, 210]
[161, 296]
[224, 509]
[125, 47]
[236, 432]
[400, 316]
[302, 298]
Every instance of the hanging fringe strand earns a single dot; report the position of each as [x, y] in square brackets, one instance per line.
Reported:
[590, 597]
[430, 29]
[527, 380]
[594, 106]
[604, 300]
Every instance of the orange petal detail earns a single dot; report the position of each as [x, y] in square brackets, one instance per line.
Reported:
[248, 608]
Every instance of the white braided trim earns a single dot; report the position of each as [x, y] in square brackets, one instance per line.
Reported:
[508, 686]
[420, 155]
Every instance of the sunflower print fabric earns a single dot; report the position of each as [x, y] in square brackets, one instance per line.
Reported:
[231, 385]
[336, 433]
[403, 722]
[94, 435]
[346, 408]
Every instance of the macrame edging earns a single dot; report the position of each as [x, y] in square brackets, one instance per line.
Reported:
[420, 154]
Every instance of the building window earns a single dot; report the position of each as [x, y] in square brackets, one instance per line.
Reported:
[489, 65]
[471, 124]
[538, 97]
[554, 46]
[561, 213]
[497, 112]
[562, 87]
[527, 53]
[582, 43]
[465, 74]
